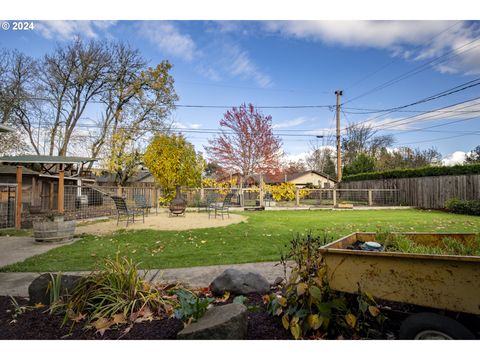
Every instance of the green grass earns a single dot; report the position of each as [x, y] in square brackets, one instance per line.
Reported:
[262, 238]
[15, 232]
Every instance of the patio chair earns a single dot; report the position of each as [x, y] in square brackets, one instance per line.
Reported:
[268, 199]
[207, 205]
[222, 208]
[124, 210]
[141, 203]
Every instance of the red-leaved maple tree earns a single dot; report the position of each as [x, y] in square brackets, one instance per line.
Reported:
[246, 144]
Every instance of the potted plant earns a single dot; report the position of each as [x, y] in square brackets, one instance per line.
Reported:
[52, 227]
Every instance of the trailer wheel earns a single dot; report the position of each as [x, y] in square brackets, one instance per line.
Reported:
[431, 326]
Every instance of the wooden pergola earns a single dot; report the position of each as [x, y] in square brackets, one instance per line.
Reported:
[50, 166]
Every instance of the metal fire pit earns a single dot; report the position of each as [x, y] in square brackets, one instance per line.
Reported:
[178, 205]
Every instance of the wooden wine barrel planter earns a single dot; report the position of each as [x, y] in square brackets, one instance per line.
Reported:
[53, 231]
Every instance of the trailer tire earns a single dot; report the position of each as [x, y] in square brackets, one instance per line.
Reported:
[423, 326]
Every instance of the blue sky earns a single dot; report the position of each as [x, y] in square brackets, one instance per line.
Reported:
[290, 63]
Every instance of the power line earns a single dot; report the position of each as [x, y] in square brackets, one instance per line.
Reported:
[376, 111]
[398, 58]
[417, 70]
[198, 131]
[454, 90]
[415, 117]
[198, 106]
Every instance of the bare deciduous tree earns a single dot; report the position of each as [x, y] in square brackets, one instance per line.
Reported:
[70, 79]
[17, 72]
[363, 138]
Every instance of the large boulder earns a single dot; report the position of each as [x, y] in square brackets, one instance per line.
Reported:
[227, 322]
[39, 293]
[239, 283]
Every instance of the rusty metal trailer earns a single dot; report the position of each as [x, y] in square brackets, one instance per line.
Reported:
[446, 284]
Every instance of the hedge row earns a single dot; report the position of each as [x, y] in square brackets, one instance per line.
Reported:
[468, 207]
[419, 172]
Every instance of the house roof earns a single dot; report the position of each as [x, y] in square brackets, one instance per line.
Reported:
[10, 170]
[4, 128]
[297, 175]
[44, 159]
[106, 178]
[140, 176]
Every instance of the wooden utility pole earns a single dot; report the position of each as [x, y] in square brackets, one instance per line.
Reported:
[339, 153]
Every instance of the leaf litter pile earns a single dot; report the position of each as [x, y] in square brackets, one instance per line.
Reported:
[21, 322]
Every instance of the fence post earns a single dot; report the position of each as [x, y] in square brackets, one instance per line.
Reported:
[61, 191]
[297, 196]
[119, 190]
[242, 197]
[50, 196]
[202, 194]
[370, 198]
[261, 194]
[33, 194]
[18, 199]
[334, 197]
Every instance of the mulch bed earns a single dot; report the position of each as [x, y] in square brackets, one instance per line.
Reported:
[37, 325]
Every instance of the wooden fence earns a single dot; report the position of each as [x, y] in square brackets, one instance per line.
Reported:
[429, 192]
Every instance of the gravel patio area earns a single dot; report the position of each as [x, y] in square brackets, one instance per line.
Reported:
[192, 220]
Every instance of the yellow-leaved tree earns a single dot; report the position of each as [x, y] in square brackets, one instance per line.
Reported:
[172, 160]
[124, 159]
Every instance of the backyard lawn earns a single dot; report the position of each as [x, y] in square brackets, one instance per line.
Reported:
[261, 238]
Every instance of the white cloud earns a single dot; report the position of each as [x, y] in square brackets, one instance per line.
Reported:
[429, 38]
[289, 123]
[69, 29]
[380, 34]
[182, 126]
[209, 72]
[297, 156]
[223, 59]
[168, 38]
[238, 63]
[304, 154]
[457, 157]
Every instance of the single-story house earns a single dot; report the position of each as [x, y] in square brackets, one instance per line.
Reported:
[312, 177]
[300, 179]
[143, 179]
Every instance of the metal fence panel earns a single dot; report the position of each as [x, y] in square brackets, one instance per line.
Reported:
[7, 205]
